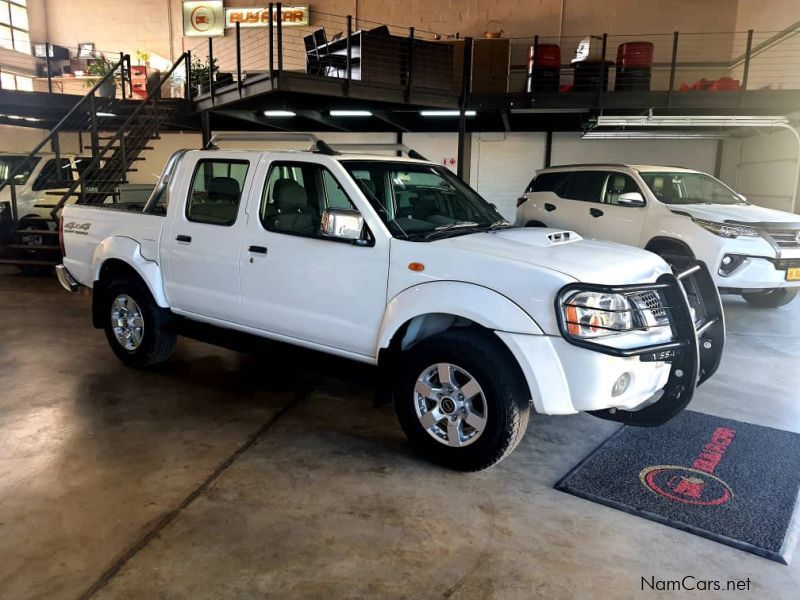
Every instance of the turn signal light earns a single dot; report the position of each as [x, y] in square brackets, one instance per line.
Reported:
[573, 325]
[415, 266]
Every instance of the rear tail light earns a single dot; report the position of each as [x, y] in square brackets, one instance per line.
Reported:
[61, 235]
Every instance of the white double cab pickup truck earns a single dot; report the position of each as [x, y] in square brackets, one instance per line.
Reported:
[396, 262]
[679, 214]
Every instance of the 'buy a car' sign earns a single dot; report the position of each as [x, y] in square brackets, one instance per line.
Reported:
[291, 16]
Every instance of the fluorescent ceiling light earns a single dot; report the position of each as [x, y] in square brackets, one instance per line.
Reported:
[545, 111]
[691, 121]
[446, 113]
[350, 113]
[106, 114]
[653, 135]
[279, 113]
[19, 118]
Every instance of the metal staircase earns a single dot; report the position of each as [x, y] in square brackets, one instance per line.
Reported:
[31, 242]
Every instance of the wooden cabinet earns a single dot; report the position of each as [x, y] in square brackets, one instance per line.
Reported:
[491, 59]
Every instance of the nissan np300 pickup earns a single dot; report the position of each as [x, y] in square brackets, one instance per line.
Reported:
[396, 262]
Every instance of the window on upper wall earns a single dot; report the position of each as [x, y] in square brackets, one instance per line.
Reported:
[14, 27]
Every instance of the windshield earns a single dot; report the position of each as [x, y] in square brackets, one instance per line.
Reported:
[689, 188]
[9, 164]
[422, 202]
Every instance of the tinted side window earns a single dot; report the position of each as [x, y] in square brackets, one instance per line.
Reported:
[296, 195]
[584, 185]
[547, 182]
[53, 178]
[618, 184]
[216, 191]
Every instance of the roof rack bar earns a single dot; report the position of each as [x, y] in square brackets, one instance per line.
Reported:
[317, 145]
[356, 147]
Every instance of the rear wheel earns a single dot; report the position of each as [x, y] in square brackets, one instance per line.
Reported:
[535, 224]
[770, 298]
[462, 400]
[135, 326]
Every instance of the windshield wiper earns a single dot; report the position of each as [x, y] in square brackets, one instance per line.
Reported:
[449, 227]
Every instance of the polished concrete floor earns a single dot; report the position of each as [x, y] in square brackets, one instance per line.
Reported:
[225, 475]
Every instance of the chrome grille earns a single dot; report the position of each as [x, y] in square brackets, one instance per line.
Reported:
[785, 263]
[785, 238]
[650, 302]
[653, 302]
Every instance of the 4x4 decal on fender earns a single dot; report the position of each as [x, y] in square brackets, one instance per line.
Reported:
[77, 228]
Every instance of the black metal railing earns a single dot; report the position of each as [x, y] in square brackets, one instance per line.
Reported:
[85, 111]
[349, 50]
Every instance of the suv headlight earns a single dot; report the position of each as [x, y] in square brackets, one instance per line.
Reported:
[621, 320]
[727, 231]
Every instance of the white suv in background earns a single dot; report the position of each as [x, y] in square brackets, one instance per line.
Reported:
[680, 215]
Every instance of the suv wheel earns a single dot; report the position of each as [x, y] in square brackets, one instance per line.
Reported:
[770, 298]
[135, 325]
[461, 399]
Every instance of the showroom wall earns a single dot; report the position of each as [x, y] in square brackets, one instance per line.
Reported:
[156, 25]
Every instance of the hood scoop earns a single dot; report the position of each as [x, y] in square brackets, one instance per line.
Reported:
[557, 238]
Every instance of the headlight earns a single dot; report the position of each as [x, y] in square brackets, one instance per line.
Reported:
[621, 320]
[725, 230]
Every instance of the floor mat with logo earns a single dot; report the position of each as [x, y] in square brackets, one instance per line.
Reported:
[729, 481]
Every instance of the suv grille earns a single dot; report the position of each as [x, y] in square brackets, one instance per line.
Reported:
[785, 263]
[785, 238]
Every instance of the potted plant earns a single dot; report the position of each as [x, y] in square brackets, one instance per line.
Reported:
[200, 79]
[97, 70]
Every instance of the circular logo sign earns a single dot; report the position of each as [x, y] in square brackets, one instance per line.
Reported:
[687, 485]
[203, 18]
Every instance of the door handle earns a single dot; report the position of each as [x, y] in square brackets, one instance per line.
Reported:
[596, 212]
[549, 207]
[184, 238]
[257, 250]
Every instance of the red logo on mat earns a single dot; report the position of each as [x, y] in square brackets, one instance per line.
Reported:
[696, 484]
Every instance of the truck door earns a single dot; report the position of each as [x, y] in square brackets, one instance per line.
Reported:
[299, 284]
[613, 221]
[200, 246]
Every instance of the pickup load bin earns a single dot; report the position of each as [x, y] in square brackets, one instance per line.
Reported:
[634, 66]
[544, 68]
[588, 73]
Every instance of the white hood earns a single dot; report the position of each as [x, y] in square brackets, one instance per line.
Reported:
[590, 261]
[721, 213]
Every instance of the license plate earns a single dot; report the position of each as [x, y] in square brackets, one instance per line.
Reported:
[793, 274]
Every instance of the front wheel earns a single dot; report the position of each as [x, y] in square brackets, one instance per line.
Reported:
[770, 298]
[135, 326]
[462, 400]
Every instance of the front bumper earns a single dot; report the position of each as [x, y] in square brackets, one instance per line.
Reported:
[66, 280]
[758, 273]
[568, 376]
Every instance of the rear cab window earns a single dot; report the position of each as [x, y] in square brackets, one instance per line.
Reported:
[216, 191]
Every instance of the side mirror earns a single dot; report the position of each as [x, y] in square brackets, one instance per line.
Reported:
[633, 199]
[342, 224]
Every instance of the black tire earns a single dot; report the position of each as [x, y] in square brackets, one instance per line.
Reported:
[507, 399]
[157, 340]
[535, 224]
[770, 298]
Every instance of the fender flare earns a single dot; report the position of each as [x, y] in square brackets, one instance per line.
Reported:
[129, 251]
[468, 300]
[670, 240]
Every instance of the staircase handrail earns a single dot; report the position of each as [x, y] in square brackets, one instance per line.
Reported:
[120, 132]
[55, 131]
